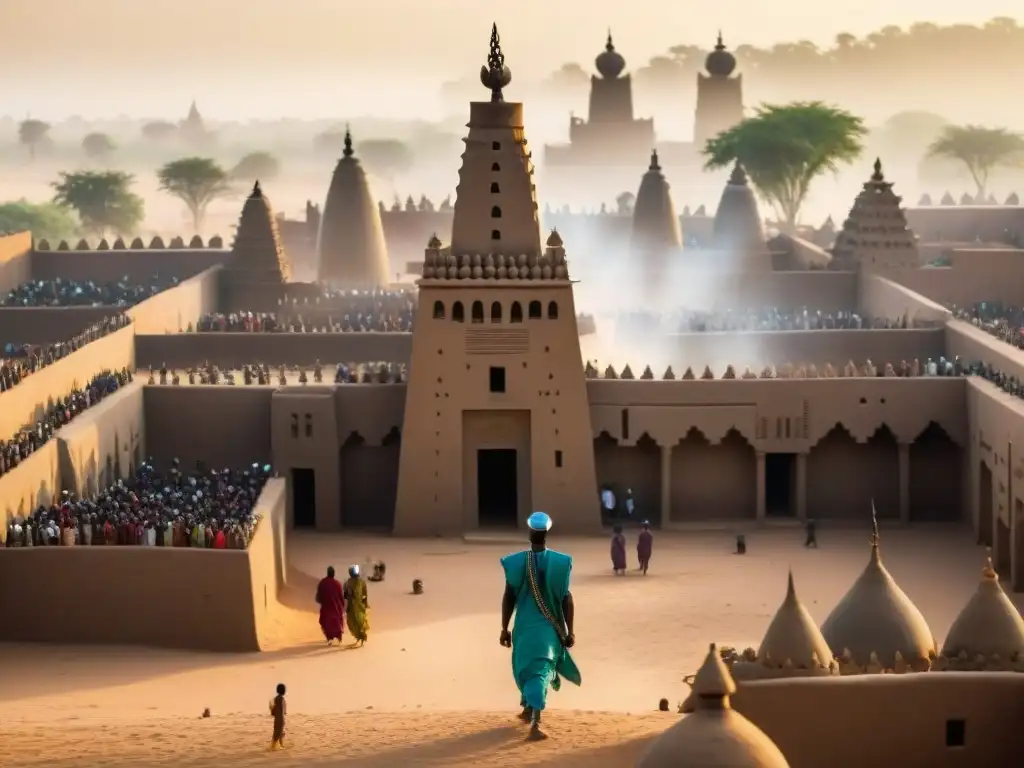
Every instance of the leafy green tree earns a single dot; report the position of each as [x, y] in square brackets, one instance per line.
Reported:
[385, 157]
[257, 166]
[33, 134]
[103, 201]
[43, 220]
[97, 146]
[980, 149]
[784, 148]
[197, 182]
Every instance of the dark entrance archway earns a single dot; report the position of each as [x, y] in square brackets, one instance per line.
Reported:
[936, 481]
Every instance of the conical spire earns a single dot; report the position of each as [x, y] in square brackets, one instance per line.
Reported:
[656, 235]
[352, 251]
[875, 232]
[737, 226]
[793, 636]
[989, 624]
[876, 616]
[257, 254]
[713, 684]
[877, 176]
[655, 165]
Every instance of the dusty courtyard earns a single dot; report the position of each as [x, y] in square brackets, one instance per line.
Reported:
[433, 687]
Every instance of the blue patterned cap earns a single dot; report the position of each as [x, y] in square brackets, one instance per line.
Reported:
[539, 521]
[353, 570]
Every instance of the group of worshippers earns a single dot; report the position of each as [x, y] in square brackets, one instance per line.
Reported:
[1011, 385]
[21, 360]
[266, 322]
[995, 318]
[208, 510]
[125, 292]
[342, 604]
[644, 549]
[261, 373]
[58, 414]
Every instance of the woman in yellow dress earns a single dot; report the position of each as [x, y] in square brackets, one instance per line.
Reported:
[357, 606]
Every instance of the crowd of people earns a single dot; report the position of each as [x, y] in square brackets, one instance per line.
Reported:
[754, 320]
[904, 369]
[21, 360]
[1011, 385]
[210, 510]
[1003, 321]
[268, 322]
[125, 292]
[29, 439]
[261, 373]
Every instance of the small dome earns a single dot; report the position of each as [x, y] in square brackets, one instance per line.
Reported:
[793, 635]
[989, 624]
[715, 734]
[876, 616]
[720, 62]
[610, 62]
[554, 239]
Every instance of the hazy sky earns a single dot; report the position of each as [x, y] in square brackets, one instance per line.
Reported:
[314, 57]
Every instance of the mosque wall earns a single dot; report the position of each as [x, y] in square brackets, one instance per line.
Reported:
[990, 272]
[970, 344]
[104, 444]
[33, 483]
[15, 260]
[882, 297]
[138, 265]
[966, 223]
[889, 721]
[268, 559]
[233, 350]
[25, 403]
[220, 426]
[43, 325]
[172, 310]
[803, 254]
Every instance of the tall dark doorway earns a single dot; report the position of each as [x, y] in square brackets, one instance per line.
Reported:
[779, 483]
[303, 498]
[984, 505]
[497, 487]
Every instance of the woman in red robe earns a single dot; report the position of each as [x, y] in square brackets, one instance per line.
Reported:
[331, 598]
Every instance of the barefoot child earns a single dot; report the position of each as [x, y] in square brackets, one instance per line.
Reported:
[277, 711]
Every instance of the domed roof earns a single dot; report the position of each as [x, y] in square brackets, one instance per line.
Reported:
[794, 636]
[720, 62]
[554, 239]
[989, 624]
[610, 62]
[715, 734]
[876, 616]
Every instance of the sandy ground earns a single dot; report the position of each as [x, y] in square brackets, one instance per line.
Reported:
[433, 687]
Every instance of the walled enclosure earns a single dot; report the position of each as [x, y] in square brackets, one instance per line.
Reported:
[889, 720]
[45, 325]
[15, 260]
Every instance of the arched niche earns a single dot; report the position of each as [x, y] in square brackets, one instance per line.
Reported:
[369, 481]
[936, 476]
[986, 505]
[844, 476]
[713, 482]
[635, 468]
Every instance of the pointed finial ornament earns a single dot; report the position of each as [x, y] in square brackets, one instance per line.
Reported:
[790, 587]
[874, 526]
[989, 572]
[256, 190]
[877, 175]
[655, 165]
[739, 175]
[720, 46]
[348, 152]
[495, 75]
[609, 46]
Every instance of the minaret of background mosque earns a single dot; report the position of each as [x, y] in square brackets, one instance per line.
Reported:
[719, 96]
[351, 251]
[497, 420]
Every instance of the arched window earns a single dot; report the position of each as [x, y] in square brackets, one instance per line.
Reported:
[552, 310]
[535, 313]
[496, 312]
[515, 315]
[458, 313]
[495, 189]
[495, 167]
[439, 310]
[496, 146]
[495, 212]
[477, 313]
[495, 234]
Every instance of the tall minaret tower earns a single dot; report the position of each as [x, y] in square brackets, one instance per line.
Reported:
[719, 96]
[497, 422]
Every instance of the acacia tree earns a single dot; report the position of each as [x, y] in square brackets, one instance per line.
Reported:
[256, 166]
[197, 182]
[785, 147]
[97, 146]
[980, 149]
[32, 134]
[103, 201]
[43, 220]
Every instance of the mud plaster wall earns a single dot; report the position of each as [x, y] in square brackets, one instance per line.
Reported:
[889, 721]
[15, 260]
[882, 297]
[34, 483]
[966, 223]
[172, 310]
[25, 403]
[268, 559]
[233, 350]
[992, 273]
[42, 325]
[972, 345]
[137, 266]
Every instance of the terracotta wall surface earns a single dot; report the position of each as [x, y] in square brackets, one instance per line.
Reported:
[890, 721]
[172, 310]
[966, 223]
[971, 345]
[803, 254]
[26, 402]
[977, 274]
[883, 297]
[107, 266]
[43, 325]
[34, 483]
[267, 559]
[15, 260]
[232, 350]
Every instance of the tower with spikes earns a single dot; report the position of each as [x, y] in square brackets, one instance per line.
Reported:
[351, 251]
[875, 234]
[497, 422]
[719, 95]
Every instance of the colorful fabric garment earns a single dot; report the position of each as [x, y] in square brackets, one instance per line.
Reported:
[619, 552]
[332, 607]
[357, 608]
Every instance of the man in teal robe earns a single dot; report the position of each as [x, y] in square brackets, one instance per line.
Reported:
[537, 592]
